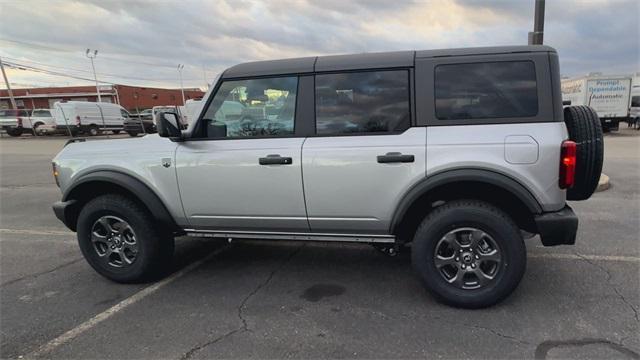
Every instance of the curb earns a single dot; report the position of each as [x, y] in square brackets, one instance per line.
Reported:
[603, 184]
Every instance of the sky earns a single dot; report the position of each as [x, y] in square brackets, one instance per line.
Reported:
[142, 42]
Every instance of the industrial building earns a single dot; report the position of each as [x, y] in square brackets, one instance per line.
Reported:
[132, 98]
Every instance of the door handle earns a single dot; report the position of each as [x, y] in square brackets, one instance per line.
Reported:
[395, 157]
[275, 159]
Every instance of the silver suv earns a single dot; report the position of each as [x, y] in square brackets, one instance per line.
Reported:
[457, 154]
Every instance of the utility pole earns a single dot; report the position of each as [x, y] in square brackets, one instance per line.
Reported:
[4, 75]
[204, 73]
[95, 77]
[535, 36]
[180, 67]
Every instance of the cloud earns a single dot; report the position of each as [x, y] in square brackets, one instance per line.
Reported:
[141, 42]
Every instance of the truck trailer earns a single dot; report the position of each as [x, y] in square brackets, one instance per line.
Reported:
[608, 95]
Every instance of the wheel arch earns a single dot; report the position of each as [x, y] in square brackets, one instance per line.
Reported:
[481, 184]
[101, 182]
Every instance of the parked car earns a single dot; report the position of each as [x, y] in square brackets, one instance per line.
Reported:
[13, 121]
[139, 125]
[180, 110]
[89, 117]
[457, 153]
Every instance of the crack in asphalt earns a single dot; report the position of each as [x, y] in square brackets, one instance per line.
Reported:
[240, 309]
[496, 333]
[615, 289]
[40, 273]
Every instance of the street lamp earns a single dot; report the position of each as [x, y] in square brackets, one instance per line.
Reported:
[180, 67]
[90, 56]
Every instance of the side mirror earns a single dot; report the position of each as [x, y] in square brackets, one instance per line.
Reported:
[168, 125]
[216, 129]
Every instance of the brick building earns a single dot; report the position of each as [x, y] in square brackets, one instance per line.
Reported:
[129, 97]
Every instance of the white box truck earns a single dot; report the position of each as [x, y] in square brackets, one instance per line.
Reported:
[609, 96]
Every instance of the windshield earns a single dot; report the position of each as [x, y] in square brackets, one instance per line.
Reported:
[12, 113]
[41, 113]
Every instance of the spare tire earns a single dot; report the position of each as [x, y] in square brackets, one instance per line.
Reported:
[585, 129]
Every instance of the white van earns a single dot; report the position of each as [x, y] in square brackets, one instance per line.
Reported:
[192, 109]
[89, 117]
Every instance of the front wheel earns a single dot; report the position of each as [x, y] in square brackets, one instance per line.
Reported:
[116, 132]
[469, 254]
[120, 240]
[132, 133]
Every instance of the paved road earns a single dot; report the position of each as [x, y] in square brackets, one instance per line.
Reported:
[261, 299]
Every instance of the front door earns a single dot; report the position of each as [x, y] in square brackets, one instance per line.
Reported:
[242, 170]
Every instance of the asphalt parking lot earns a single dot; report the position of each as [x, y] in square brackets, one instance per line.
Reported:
[265, 299]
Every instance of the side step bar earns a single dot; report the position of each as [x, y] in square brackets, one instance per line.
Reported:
[362, 238]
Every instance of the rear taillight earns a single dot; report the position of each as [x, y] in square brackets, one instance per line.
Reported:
[567, 164]
[19, 122]
[78, 120]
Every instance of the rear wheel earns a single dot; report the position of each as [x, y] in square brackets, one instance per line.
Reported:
[132, 133]
[119, 239]
[584, 127]
[15, 132]
[116, 132]
[469, 254]
[93, 130]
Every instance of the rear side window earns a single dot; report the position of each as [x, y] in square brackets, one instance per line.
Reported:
[635, 101]
[41, 113]
[504, 89]
[362, 102]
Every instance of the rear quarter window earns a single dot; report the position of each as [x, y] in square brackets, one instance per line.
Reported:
[505, 89]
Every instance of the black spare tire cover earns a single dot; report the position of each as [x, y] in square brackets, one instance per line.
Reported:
[585, 130]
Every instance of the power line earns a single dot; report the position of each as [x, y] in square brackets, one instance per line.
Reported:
[107, 57]
[89, 72]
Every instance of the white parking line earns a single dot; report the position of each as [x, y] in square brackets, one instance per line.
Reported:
[615, 258]
[75, 332]
[36, 232]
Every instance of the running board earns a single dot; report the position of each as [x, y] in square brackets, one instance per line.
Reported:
[362, 238]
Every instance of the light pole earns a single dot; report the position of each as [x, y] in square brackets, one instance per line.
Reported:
[180, 67]
[95, 77]
[536, 36]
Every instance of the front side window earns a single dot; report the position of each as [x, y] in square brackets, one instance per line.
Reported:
[504, 89]
[362, 102]
[252, 108]
[41, 113]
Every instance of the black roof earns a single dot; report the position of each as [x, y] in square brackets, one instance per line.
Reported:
[364, 60]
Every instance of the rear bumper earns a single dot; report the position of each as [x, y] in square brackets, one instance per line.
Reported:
[558, 228]
[64, 212]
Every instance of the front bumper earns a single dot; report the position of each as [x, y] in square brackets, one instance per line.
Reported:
[64, 211]
[558, 228]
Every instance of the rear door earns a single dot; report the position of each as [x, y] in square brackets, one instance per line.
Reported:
[365, 153]
[244, 173]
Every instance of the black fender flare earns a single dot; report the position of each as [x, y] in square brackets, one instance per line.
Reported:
[463, 175]
[149, 198]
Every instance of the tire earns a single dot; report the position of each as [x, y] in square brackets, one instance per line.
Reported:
[35, 128]
[458, 218]
[116, 132]
[93, 130]
[153, 249]
[132, 133]
[15, 132]
[585, 129]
